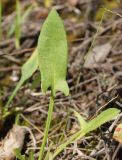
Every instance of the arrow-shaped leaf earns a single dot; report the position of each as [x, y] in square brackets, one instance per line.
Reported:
[52, 52]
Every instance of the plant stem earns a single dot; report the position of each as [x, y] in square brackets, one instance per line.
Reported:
[5, 110]
[50, 111]
[17, 24]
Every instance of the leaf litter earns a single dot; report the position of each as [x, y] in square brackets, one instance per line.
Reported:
[97, 55]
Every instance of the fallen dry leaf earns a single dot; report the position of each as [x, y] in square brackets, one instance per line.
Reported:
[73, 2]
[13, 140]
[97, 55]
[118, 133]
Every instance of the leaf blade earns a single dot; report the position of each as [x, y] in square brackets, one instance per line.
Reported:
[52, 49]
[17, 24]
[81, 119]
[27, 70]
[112, 111]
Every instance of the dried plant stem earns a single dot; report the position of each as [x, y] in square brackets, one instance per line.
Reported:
[0, 19]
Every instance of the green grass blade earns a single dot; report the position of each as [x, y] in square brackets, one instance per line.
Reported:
[47, 3]
[102, 118]
[23, 19]
[69, 140]
[17, 25]
[12, 95]
[26, 13]
[31, 155]
[19, 156]
[81, 120]
[49, 154]
[88, 54]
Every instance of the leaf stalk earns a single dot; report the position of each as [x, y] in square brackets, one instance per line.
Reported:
[48, 122]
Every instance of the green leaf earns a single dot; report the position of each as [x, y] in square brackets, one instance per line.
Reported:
[30, 66]
[49, 154]
[22, 20]
[27, 70]
[102, 118]
[26, 14]
[81, 120]
[17, 24]
[31, 155]
[18, 154]
[47, 3]
[52, 52]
